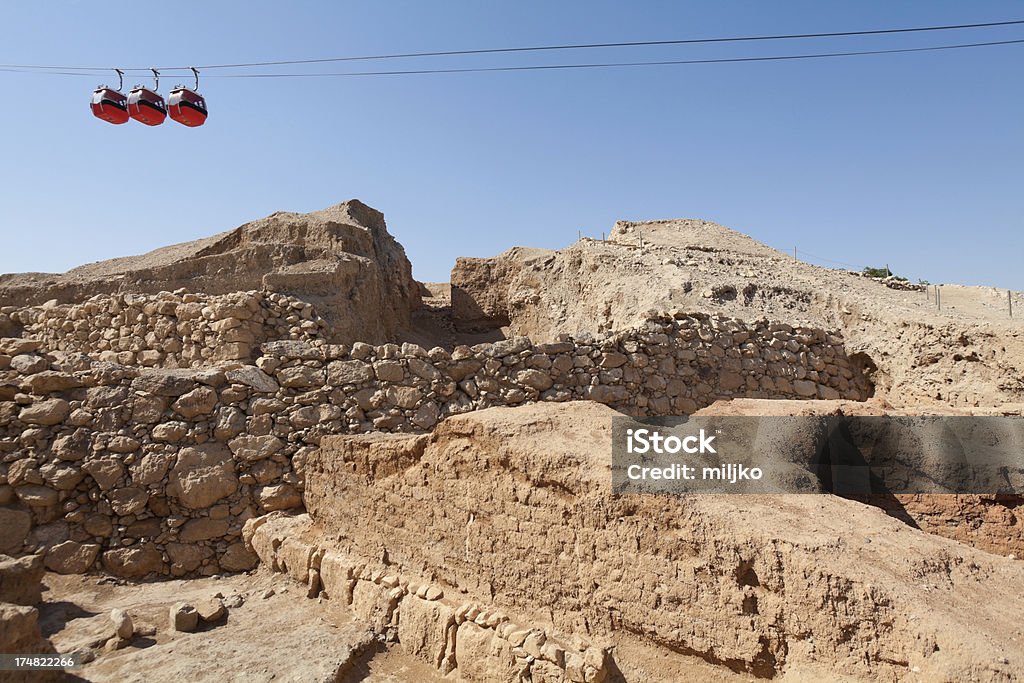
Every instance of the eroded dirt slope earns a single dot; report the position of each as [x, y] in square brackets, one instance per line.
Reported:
[513, 506]
[341, 259]
[966, 354]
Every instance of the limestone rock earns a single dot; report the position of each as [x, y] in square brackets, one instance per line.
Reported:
[71, 557]
[348, 372]
[237, 558]
[106, 472]
[165, 382]
[203, 529]
[199, 401]
[230, 423]
[37, 496]
[203, 475]
[129, 500]
[21, 579]
[15, 346]
[423, 630]
[254, 448]
[135, 562]
[184, 617]
[14, 527]
[279, 497]
[254, 378]
[49, 381]
[49, 412]
[122, 622]
[211, 610]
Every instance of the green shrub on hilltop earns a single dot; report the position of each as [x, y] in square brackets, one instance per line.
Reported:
[882, 272]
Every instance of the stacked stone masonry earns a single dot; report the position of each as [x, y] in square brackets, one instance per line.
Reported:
[151, 471]
[478, 641]
[168, 330]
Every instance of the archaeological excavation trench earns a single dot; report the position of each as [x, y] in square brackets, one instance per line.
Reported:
[314, 412]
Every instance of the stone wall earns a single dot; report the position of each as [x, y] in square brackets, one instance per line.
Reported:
[169, 330]
[154, 471]
[478, 641]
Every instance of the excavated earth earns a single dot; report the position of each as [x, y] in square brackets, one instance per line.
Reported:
[966, 354]
[341, 259]
[353, 476]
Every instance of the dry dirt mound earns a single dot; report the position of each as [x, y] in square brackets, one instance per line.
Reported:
[993, 522]
[512, 507]
[341, 259]
[966, 354]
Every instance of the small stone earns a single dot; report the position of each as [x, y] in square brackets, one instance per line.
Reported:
[184, 617]
[314, 583]
[211, 610]
[123, 626]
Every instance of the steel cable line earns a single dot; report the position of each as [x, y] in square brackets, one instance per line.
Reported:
[606, 65]
[827, 260]
[541, 48]
[550, 67]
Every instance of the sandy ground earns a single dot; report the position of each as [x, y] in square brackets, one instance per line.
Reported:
[284, 637]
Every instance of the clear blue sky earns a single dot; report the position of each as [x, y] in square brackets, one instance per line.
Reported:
[915, 160]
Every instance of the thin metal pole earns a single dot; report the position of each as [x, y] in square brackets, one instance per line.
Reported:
[1009, 302]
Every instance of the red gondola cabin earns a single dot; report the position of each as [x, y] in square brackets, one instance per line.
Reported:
[110, 105]
[146, 106]
[187, 107]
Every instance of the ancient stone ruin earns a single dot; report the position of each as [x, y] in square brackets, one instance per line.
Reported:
[279, 397]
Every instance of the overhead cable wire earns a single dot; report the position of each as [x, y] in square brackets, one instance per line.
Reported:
[602, 65]
[543, 48]
[801, 252]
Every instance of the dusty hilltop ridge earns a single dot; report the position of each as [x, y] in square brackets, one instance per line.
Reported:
[278, 426]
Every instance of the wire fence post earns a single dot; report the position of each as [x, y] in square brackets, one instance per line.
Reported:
[938, 296]
[1009, 301]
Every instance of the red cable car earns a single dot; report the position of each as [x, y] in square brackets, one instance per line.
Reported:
[186, 106]
[147, 106]
[109, 104]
